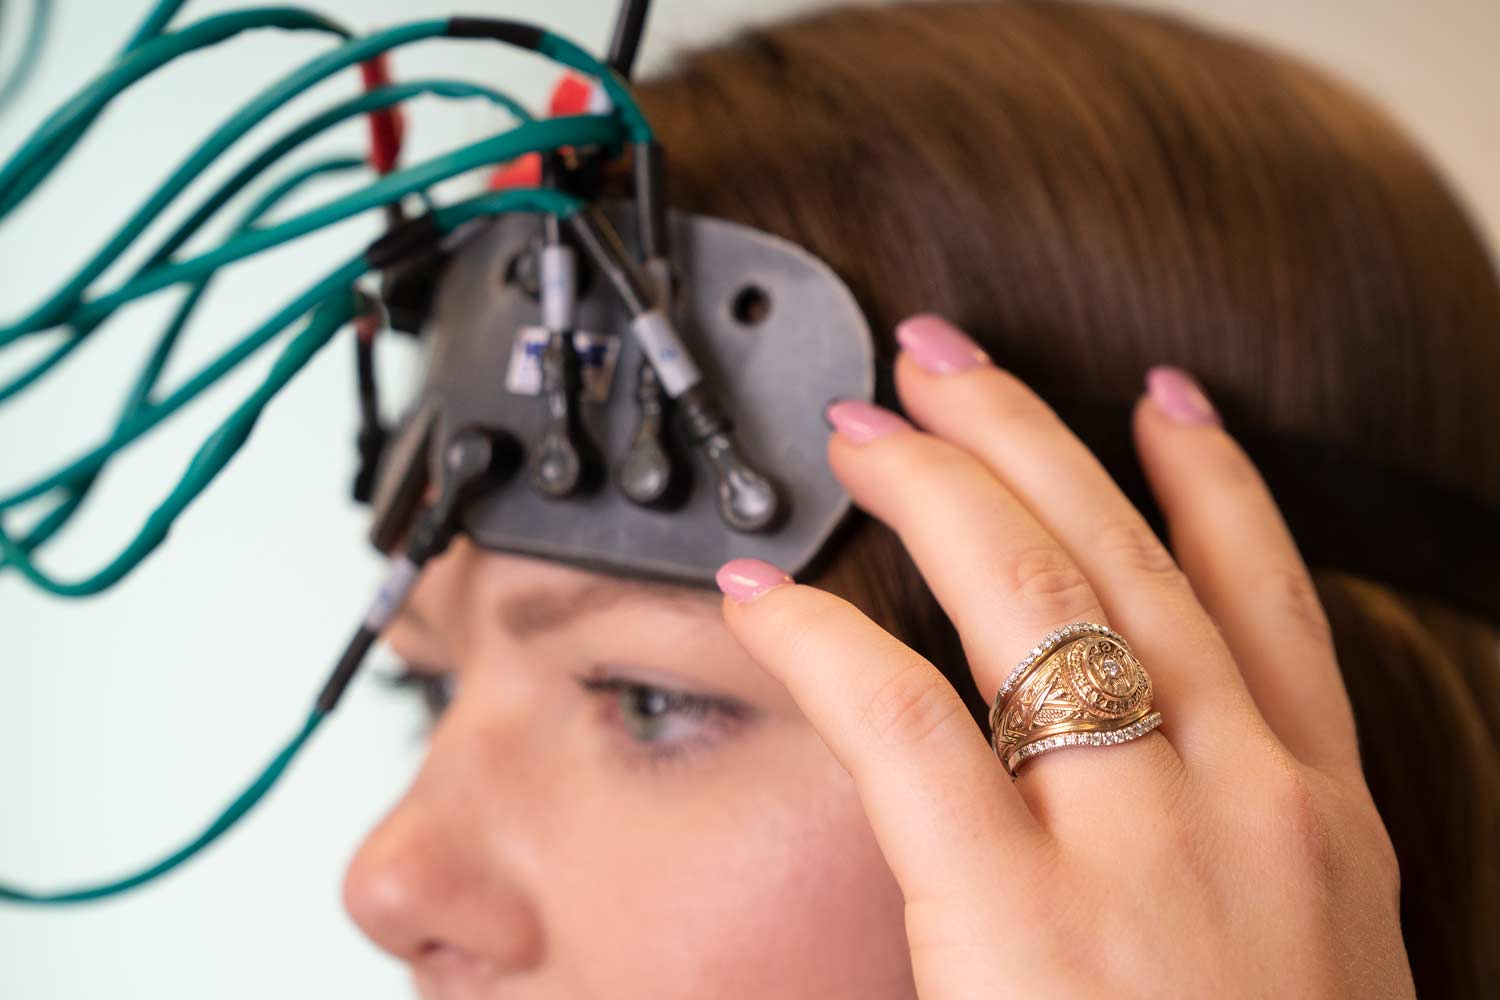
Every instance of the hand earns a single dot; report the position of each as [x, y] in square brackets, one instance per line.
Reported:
[1235, 851]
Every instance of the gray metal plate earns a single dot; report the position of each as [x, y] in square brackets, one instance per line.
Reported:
[774, 377]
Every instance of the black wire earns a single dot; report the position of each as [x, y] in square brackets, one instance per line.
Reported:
[629, 24]
[369, 388]
[348, 665]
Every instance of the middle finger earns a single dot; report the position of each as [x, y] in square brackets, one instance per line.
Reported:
[1000, 576]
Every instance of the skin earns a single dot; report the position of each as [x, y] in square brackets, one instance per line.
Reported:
[726, 858]
[856, 836]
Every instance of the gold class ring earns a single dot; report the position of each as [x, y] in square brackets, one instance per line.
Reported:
[1080, 686]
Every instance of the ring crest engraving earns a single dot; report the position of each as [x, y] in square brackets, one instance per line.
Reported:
[1081, 686]
[1105, 678]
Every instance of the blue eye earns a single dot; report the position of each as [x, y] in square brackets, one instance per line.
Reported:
[661, 721]
[655, 722]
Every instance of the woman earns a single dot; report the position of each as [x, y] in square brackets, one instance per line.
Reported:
[649, 791]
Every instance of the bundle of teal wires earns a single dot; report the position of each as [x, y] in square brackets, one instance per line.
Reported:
[76, 311]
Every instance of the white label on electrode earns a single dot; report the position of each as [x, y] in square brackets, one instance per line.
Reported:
[392, 594]
[597, 356]
[668, 355]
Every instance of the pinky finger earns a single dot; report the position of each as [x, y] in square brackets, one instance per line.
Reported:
[1244, 565]
[941, 806]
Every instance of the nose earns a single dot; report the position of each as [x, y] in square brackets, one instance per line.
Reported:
[429, 886]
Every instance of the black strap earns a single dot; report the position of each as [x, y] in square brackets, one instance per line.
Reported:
[1345, 512]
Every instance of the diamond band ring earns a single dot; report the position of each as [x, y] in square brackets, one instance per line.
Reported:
[1080, 686]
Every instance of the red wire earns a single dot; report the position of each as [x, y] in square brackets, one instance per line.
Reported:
[387, 126]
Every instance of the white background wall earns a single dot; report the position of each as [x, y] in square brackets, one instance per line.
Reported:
[128, 719]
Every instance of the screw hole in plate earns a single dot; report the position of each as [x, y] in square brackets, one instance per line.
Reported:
[750, 305]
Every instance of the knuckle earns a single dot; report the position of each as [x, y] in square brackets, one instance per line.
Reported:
[1009, 400]
[911, 706]
[1387, 862]
[1131, 544]
[1047, 580]
[1299, 819]
[1294, 594]
[1377, 847]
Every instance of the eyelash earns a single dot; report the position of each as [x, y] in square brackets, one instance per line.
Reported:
[718, 716]
[434, 688]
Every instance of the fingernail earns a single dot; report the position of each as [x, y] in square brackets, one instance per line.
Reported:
[746, 579]
[1178, 396]
[826, 407]
[861, 422]
[939, 346]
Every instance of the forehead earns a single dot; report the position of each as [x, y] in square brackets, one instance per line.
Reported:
[530, 608]
[529, 597]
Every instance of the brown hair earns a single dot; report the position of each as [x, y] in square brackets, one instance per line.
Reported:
[1089, 191]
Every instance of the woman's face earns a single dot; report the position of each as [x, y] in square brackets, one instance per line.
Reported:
[616, 803]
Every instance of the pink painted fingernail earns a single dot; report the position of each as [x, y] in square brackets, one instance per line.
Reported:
[1178, 396]
[746, 579]
[939, 346]
[861, 422]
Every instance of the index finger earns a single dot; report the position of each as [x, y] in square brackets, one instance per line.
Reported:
[942, 808]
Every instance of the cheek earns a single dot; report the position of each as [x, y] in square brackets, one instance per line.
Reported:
[769, 883]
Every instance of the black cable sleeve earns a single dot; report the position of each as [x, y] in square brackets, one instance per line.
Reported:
[553, 176]
[625, 42]
[348, 665]
[527, 36]
[369, 388]
[651, 208]
[415, 236]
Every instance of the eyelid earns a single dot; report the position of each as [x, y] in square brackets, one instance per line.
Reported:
[716, 718]
[424, 682]
[603, 677]
[406, 670]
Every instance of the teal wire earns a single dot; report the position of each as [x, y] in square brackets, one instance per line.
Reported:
[54, 310]
[26, 169]
[571, 54]
[235, 812]
[542, 200]
[30, 54]
[374, 100]
[566, 131]
[38, 172]
[154, 24]
[218, 449]
[224, 442]
[145, 382]
[538, 136]
[283, 189]
[344, 305]
[43, 365]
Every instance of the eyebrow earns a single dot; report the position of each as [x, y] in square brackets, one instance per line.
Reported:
[533, 612]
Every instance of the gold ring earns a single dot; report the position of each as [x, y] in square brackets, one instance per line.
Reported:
[1080, 686]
